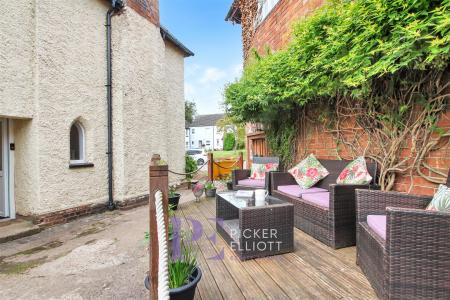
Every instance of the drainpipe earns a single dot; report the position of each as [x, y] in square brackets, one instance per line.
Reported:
[116, 6]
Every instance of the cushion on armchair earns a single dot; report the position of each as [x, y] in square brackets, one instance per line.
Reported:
[355, 173]
[441, 200]
[252, 182]
[297, 191]
[258, 171]
[308, 172]
[378, 224]
[322, 198]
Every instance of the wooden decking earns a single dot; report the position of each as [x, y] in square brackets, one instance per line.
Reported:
[312, 271]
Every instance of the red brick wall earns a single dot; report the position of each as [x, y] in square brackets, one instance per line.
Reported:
[149, 9]
[324, 146]
[275, 30]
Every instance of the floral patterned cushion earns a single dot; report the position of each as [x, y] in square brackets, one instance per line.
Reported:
[355, 173]
[441, 200]
[308, 172]
[258, 171]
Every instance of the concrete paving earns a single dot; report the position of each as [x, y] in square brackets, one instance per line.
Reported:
[16, 229]
[102, 256]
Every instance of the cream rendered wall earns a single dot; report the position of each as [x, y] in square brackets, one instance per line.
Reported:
[26, 167]
[71, 65]
[67, 82]
[174, 71]
[140, 122]
[17, 58]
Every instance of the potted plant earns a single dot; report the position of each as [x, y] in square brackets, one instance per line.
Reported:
[210, 189]
[229, 182]
[174, 197]
[190, 167]
[170, 229]
[184, 273]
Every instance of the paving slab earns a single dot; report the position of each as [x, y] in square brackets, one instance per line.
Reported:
[16, 229]
[102, 256]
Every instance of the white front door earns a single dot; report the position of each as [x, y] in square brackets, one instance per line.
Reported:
[4, 201]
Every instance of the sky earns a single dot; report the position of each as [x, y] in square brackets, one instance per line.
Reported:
[200, 25]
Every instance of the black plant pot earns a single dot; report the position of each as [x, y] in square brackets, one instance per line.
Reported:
[173, 201]
[229, 185]
[210, 193]
[185, 292]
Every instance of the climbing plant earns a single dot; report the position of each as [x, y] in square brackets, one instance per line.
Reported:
[374, 73]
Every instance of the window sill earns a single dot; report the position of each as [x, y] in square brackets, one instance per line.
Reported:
[80, 165]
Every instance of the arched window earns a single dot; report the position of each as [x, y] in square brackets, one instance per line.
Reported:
[77, 143]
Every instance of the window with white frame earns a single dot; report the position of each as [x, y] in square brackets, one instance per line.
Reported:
[77, 143]
[264, 9]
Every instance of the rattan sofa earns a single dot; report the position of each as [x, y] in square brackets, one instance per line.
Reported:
[241, 178]
[331, 220]
[411, 260]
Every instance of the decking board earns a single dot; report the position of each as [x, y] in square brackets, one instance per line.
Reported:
[312, 271]
[240, 276]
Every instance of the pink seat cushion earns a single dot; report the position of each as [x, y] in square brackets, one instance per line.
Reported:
[321, 198]
[296, 191]
[378, 224]
[252, 182]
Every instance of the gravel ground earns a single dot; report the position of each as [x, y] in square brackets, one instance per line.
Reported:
[102, 256]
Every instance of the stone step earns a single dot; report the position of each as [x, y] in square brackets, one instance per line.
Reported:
[16, 229]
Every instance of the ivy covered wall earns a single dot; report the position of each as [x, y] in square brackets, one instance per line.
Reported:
[358, 78]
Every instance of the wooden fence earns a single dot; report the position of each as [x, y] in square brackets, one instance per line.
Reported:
[222, 168]
[256, 146]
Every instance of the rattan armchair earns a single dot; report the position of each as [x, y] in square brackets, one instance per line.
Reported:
[241, 181]
[413, 260]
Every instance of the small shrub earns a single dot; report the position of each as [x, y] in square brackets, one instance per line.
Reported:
[182, 267]
[210, 185]
[190, 167]
[172, 190]
[240, 145]
[228, 142]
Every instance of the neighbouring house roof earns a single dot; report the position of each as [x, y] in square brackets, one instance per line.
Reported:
[205, 120]
[234, 13]
[167, 36]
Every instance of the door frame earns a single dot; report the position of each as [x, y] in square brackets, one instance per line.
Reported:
[8, 167]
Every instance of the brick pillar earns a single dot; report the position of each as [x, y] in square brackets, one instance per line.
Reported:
[241, 160]
[249, 151]
[159, 180]
[149, 9]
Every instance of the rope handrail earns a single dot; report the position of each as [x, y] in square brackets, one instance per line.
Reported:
[190, 173]
[163, 257]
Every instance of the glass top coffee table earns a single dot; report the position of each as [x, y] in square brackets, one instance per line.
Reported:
[255, 230]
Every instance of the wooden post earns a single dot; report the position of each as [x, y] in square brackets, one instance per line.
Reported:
[159, 180]
[210, 166]
[241, 160]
